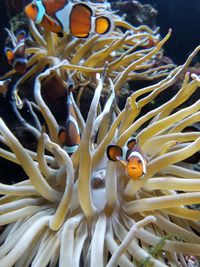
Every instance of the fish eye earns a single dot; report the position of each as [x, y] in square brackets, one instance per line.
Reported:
[33, 5]
[139, 161]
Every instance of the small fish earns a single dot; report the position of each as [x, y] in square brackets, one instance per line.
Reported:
[135, 160]
[69, 136]
[16, 56]
[61, 16]
[4, 87]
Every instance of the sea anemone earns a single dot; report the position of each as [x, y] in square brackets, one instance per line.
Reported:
[83, 209]
[136, 47]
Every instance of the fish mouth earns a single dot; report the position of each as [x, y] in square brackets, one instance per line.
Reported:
[133, 168]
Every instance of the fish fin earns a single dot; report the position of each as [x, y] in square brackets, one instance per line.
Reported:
[52, 25]
[103, 25]
[60, 34]
[132, 143]
[114, 152]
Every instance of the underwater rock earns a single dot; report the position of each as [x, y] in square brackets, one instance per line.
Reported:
[140, 14]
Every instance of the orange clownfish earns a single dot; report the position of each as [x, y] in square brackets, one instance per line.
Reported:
[61, 16]
[69, 136]
[135, 160]
[16, 56]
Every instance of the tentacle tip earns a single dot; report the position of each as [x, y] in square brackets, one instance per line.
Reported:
[194, 76]
[152, 218]
[97, 76]
[170, 30]
[127, 33]
[53, 225]
[46, 137]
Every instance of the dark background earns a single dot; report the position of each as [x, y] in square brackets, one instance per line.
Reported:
[183, 16]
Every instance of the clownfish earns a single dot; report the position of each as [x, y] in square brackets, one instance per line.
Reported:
[78, 19]
[16, 56]
[135, 160]
[69, 136]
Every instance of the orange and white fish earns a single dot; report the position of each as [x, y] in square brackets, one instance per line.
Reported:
[61, 16]
[69, 136]
[135, 160]
[16, 56]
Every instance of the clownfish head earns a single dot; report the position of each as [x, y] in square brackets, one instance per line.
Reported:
[16, 57]
[69, 143]
[69, 136]
[31, 11]
[35, 11]
[136, 166]
[135, 161]
[9, 54]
